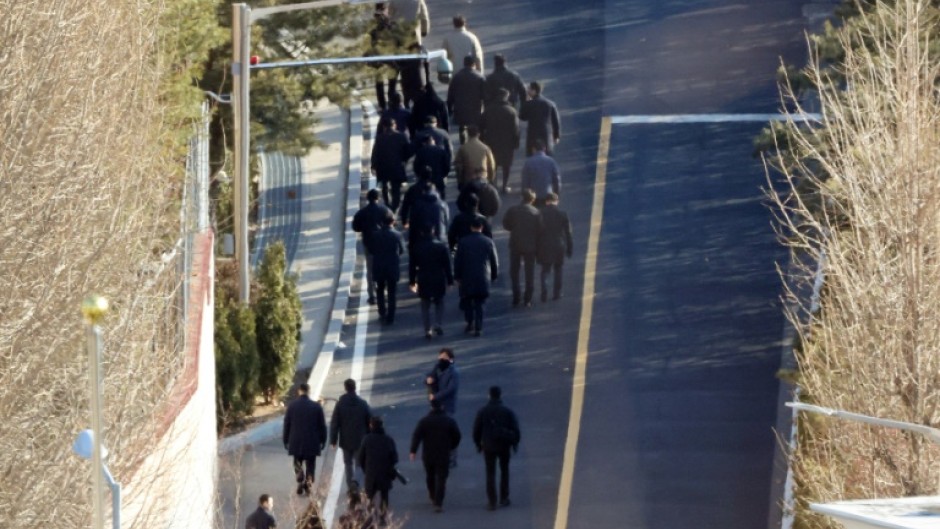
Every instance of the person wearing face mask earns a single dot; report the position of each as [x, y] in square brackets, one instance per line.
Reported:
[443, 382]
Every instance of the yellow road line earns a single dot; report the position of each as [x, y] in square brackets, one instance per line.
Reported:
[584, 330]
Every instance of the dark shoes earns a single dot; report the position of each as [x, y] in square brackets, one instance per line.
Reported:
[438, 509]
[428, 335]
[371, 301]
[468, 329]
[477, 333]
[505, 502]
[491, 506]
[439, 331]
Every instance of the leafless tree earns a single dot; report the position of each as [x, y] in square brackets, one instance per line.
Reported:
[863, 189]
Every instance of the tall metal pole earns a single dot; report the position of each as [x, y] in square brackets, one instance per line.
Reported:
[94, 308]
[241, 74]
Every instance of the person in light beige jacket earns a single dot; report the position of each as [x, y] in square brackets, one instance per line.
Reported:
[411, 12]
[460, 42]
[472, 156]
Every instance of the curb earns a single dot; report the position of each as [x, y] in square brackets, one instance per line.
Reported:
[271, 429]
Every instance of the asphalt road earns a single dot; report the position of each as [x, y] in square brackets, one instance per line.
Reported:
[680, 398]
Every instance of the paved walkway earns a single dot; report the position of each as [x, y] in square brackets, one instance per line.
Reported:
[303, 204]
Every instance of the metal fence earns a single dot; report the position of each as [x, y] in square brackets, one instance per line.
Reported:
[194, 213]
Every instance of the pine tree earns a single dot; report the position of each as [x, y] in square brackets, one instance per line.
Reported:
[278, 320]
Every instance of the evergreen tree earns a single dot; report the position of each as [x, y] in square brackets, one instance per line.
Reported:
[278, 320]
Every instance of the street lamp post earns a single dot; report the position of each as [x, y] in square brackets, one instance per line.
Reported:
[242, 17]
[94, 308]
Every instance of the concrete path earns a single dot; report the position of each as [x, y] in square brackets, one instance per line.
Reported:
[304, 204]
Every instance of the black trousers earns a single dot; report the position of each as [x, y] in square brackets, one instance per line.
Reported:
[305, 469]
[380, 89]
[516, 259]
[473, 311]
[491, 457]
[371, 490]
[385, 296]
[435, 473]
[393, 189]
[555, 267]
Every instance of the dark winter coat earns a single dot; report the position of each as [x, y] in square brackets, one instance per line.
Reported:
[435, 157]
[428, 212]
[350, 422]
[465, 97]
[495, 428]
[460, 227]
[439, 434]
[544, 123]
[475, 265]
[390, 151]
[524, 223]
[441, 139]
[555, 235]
[413, 79]
[428, 104]
[502, 77]
[429, 267]
[260, 519]
[304, 428]
[400, 115]
[500, 130]
[488, 195]
[369, 220]
[445, 386]
[408, 200]
[378, 456]
[386, 249]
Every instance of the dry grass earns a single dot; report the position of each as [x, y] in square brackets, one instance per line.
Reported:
[87, 195]
[873, 346]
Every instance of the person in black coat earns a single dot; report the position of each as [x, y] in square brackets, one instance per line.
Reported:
[554, 243]
[441, 139]
[378, 457]
[428, 105]
[543, 119]
[397, 113]
[431, 162]
[502, 78]
[500, 131]
[367, 221]
[475, 266]
[440, 435]
[465, 97]
[429, 275]
[523, 222]
[413, 76]
[386, 249]
[348, 426]
[495, 431]
[487, 195]
[428, 217]
[390, 151]
[304, 436]
[411, 196]
[262, 517]
[460, 226]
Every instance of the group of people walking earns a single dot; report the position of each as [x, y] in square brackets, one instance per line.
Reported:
[442, 251]
[370, 455]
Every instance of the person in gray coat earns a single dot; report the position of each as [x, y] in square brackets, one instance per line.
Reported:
[542, 117]
[475, 266]
[465, 97]
[523, 222]
[348, 426]
[500, 131]
[554, 244]
[304, 436]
